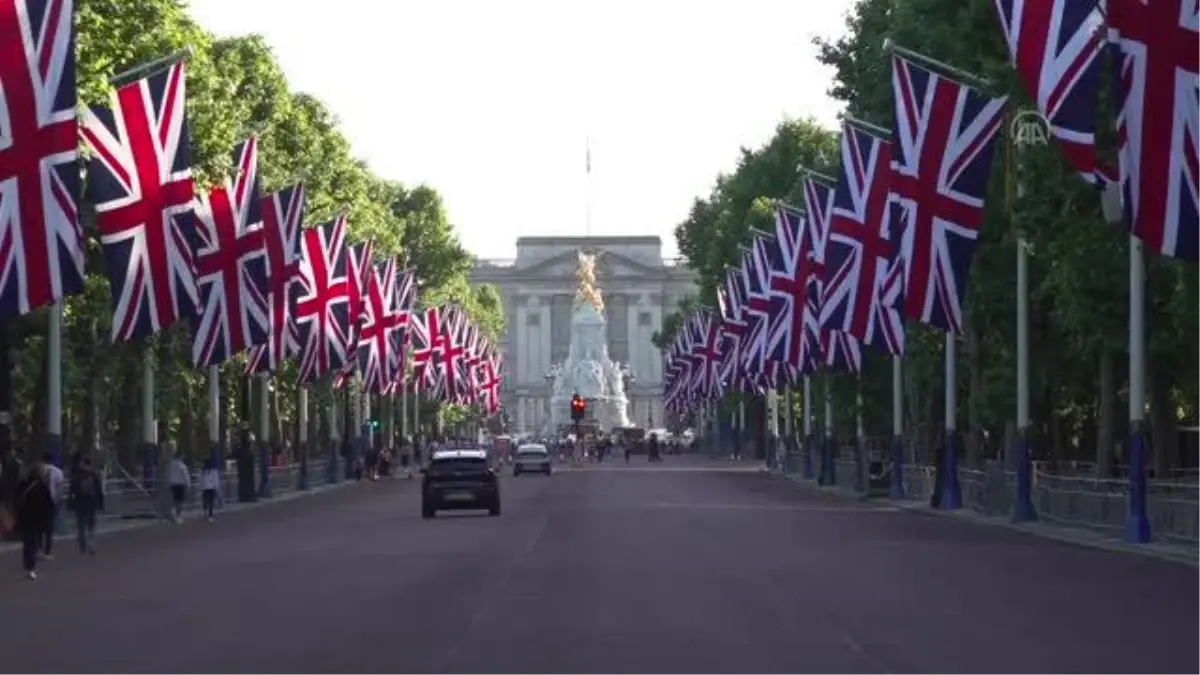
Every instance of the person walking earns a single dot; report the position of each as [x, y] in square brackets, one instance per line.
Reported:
[86, 498]
[210, 482]
[57, 482]
[180, 479]
[33, 508]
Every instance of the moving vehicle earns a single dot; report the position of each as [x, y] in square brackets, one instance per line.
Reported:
[532, 458]
[459, 480]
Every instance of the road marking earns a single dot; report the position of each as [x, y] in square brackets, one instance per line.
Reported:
[663, 469]
[741, 507]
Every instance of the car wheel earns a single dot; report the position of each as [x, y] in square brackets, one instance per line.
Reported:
[548, 470]
[494, 509]
[516, 472]
[427, 511]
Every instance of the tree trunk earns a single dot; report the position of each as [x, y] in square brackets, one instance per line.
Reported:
[1164, 432]
[1106, 411]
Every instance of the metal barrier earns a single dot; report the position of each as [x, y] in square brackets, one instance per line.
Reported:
[1069, 499]
[131, 500]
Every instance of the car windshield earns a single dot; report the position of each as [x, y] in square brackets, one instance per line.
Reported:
[531, 453]
[460, 464]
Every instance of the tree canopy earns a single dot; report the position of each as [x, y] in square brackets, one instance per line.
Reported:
[1078, 263]
[235, 88]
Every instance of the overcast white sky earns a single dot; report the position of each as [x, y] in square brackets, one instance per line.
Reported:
[491, 102]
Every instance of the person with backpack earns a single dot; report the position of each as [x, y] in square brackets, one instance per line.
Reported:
[34, 509]
[85, 497]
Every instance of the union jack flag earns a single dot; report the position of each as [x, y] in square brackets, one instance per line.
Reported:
[757, 265]
[231, 265]
[473, 345]
[282, 215]
[706, 355]
[1158, 84]
[41, 241]
[832, 349]
[406, 296]
[944, 138]
[449, 353]
[794, 328]
[140, 179]
[731, 300]
[379, 341]
[863, 279]
[840, 352]
[425, 327]
[490, 386]
[359, 256]
[323, 303]
[1055, 46]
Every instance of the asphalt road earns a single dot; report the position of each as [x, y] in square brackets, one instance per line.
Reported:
[692, 568]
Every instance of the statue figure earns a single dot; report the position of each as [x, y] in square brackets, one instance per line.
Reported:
[589, 288]
[587, 370]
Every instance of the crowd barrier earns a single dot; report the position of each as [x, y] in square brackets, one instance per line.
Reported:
[130, 498]
[1062, 495]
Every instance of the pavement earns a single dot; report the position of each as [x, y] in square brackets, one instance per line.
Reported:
[689, 566]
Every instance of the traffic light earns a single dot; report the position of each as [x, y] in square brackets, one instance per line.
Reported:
[578, 408]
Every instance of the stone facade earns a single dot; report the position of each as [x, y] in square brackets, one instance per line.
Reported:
[640, 288]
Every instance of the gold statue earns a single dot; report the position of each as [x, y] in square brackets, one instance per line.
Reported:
[589, 288]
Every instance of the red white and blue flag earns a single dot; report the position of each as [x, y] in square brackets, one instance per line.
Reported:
[359, 257]
[379, 339]
[282, 216]
[864, 280]
[1055, 46]
[323, 302]
[833, 349]
[943, 141]
[1158, 88]
[41, 241]
[140, 179]
[793, 333]
[706, 355]
[231, 265]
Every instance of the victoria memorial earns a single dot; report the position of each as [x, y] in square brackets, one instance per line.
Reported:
[640, 287]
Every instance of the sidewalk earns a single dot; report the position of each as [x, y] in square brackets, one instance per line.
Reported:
[113, 526]
[1181, 553]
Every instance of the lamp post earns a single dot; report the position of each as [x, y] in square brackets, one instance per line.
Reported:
[1027, 128]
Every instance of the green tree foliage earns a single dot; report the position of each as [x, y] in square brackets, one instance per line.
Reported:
[1078, 264]
[235, 88]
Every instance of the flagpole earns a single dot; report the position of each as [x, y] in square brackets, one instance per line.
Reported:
[588, 189]
[264, 434]
[302, 434]
[807, 466]
[139, 71]
[54, 385]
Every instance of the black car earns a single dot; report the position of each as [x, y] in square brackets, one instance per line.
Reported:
[459, 480]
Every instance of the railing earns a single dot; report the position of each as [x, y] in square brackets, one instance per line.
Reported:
[1062, 495]
[127, 499]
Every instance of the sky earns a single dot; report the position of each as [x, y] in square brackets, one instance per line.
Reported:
[495, 104]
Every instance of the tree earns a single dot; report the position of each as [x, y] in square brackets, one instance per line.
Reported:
[234, 88]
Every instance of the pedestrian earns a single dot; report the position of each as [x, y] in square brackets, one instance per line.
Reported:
[406, 457]
[57, 482]
[180, 479]
[86, 498]
[210, 482]
[10, 477]
[34, 504]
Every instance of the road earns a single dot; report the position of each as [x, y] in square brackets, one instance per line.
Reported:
[697, 567]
